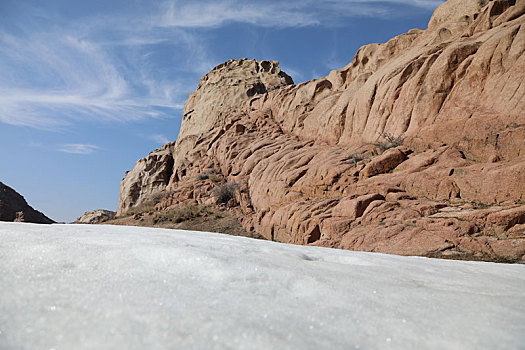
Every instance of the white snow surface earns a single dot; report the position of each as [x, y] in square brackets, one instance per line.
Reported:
[115, 287]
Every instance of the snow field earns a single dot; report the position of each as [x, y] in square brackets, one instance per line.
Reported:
[115, 287]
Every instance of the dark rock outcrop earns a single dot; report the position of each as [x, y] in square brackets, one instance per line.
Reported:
[13, 207]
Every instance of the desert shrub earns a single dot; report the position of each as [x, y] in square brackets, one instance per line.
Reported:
[180, 213]
[209, 174]
[201, 177]
[355, 158]
[247, 194]
[149, 204]
[215, 178]
[480, 205]
[389, 140]
[143, 207]
[157, 197]
[225, 192]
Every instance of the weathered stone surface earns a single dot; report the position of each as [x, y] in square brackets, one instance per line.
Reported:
[151, 175]
[453, 83]
[13, 207]
[354, 208]
[225, 88]
[95, 216]
[385, 162]
[309, 158]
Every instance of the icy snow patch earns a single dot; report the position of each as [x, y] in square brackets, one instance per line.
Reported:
[109, 287]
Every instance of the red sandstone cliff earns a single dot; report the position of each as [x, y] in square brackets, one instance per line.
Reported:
[322, 162]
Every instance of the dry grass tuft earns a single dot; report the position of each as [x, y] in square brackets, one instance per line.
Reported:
[149, 204]
[182, 213]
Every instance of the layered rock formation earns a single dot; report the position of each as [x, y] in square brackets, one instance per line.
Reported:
[95, 216]
[13, 207]
[416, 147]
[219, 92]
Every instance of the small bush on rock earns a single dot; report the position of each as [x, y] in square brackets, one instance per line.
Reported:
[355, 158]
[141, 208]
[149, 204]
[389, 140]
[225, 192]
[180, 214]
[205, 176]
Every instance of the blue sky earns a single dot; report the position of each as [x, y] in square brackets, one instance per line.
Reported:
[89, 87]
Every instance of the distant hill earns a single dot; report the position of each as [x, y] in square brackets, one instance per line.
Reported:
[13, 207]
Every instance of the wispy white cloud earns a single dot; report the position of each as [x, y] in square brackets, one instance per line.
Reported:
[129, 66]
[50, 79]
[78, 148]
[296, 74]
[158, 138]
[214, 14]
[292, 13]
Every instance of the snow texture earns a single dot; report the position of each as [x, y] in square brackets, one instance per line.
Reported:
[111, 287]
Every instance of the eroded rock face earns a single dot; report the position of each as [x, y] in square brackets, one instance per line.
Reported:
[225, 88]
[314, 167]
[95, 217]
[13, 207]
[150, 176]
[459, 82]
[220, 91]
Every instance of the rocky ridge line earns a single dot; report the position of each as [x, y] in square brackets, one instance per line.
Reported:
[13, 207]
[315, 163]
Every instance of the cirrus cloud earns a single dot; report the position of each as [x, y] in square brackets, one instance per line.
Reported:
[124, 66]
[293, 13]
[78, 148]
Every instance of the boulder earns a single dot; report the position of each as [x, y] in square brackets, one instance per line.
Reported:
[385, 162]
[95, 217]
[354, 208]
